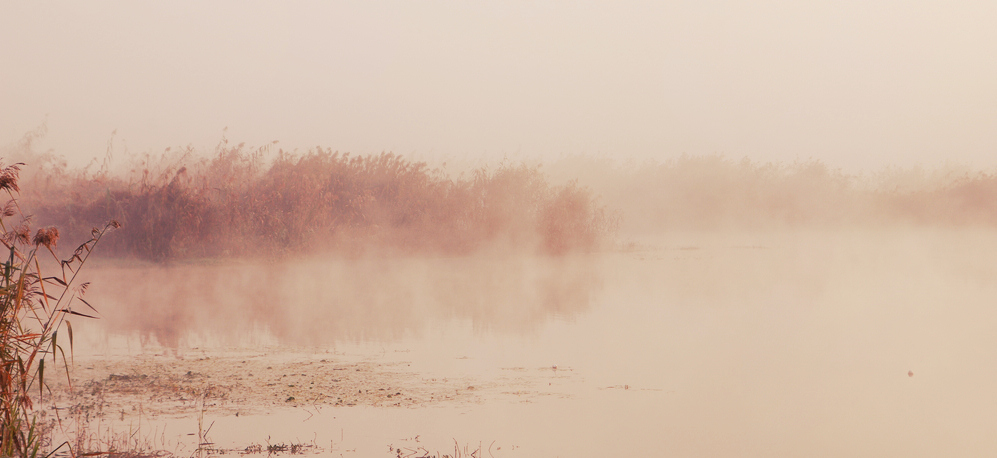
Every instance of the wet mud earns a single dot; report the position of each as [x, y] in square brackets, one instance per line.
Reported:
[256, 383]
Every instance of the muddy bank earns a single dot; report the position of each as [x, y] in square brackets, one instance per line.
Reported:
[242, 383]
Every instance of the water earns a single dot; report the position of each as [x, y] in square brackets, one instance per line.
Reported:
[761, 344]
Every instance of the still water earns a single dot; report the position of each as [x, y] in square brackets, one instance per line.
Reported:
[804, 343]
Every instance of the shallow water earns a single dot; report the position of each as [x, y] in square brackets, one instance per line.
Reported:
[761, 344]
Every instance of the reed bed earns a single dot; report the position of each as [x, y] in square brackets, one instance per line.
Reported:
[244, 201]
[34, 310]
[716, 192]
[238, 203]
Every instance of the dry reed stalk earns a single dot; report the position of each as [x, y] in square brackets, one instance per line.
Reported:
[33, 310]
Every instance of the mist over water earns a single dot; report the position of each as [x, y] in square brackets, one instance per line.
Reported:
[319, 301]
[720, 307]
[556, 228]
[748, 343]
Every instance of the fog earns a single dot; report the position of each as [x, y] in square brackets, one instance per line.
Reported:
[787, 342]
[856, 84]
[319, 302]
[685, 228]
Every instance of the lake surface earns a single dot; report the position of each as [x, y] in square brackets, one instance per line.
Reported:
[740, 344]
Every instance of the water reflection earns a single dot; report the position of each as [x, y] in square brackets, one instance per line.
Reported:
[771, 344]
[321, 301]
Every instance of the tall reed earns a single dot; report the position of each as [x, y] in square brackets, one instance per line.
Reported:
[238, 204]
[33, 310]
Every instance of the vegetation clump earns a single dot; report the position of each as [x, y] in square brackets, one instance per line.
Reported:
[715, 192]
[33, 310]
[237, 203]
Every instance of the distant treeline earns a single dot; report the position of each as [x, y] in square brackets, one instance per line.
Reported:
[237, 203]
[717, 193]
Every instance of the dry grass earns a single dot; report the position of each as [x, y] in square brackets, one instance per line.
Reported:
[33, 311]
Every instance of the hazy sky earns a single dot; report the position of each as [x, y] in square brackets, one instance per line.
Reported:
[855, 83]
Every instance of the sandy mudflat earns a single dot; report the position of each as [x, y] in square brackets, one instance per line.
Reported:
[256, 382]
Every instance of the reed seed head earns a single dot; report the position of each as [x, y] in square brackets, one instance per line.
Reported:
[22, 234]
[9, 209]
[47, 236]
[8, 178]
